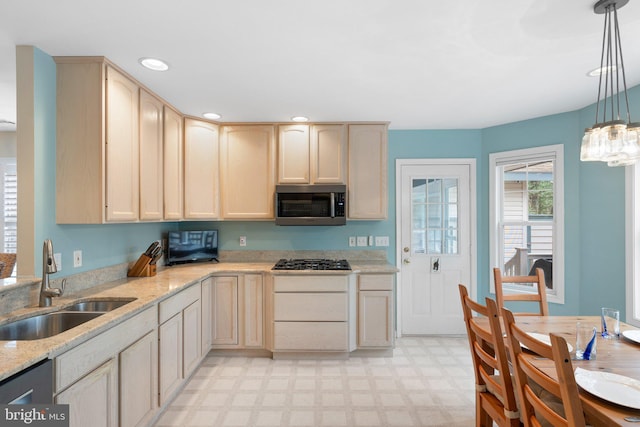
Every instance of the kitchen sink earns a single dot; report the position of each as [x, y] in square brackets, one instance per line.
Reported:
[101, 305]
[44, 325]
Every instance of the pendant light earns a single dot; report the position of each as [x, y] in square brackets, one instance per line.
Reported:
[611, 139]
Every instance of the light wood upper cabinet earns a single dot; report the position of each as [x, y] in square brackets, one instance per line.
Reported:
[314, 154]
[293, 154]
[201, 182]
[328, 154]
[247, 164]
[151, 157]
[173, 155]
[367, 186]
[122, 147]
[97, 143]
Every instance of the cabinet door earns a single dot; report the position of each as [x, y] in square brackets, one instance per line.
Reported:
[151, 157]
[253, 309]
[248, 172]
[293, 154]
[170, 356]
[328, 154]
[93, 400]
[375, 318]
[367, 172]
[200, 170]
[207, 285]
[191, 337]
[224, 309]
[139, 381]
[122, 148]
[173, 178]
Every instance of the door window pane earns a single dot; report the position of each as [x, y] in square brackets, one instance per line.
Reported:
[435, 216]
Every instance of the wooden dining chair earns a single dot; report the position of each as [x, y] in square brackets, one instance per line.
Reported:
[543, 399]
[495, 396]
[540, 295]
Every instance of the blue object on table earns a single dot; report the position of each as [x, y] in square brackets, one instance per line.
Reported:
[587, 351]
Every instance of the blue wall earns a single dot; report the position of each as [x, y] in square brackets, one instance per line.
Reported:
[594, 204]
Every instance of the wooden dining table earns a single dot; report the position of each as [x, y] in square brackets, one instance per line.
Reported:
[619, 356]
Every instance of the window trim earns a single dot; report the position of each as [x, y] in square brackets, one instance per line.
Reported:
[528, 154]
[632, 244]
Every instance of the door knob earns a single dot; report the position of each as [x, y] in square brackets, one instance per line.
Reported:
[406, 261]
[405, 249]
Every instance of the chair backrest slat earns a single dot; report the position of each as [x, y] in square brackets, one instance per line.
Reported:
[540, 296]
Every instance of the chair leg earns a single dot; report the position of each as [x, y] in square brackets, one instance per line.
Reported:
[482, 417]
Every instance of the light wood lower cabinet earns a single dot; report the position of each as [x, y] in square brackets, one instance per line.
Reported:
[93, 400]
[179, 347]
[313, 313]
[192, 338]
[205, 302]
[139, 381]
[375, 311]
[170, 356]
[237, 304]
[99, 378]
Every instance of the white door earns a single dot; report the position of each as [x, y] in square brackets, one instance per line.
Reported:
[437, 210]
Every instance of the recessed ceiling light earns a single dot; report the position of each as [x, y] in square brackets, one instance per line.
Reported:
[212, 116]
[300, 119]
[154, 64]
[601, 70]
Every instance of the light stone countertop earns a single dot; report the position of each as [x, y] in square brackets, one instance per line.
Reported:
[18, 355]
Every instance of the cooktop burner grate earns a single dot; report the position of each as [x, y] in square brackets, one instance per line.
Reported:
[312, 264]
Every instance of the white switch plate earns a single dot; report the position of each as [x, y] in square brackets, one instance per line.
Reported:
[382, 240]
[77, 259]
[58, 259]
[352, 241]
[243, 240]
[362, 240]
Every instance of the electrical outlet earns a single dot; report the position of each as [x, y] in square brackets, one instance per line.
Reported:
[362, 240]
[352, 241]
[58, 260]
[382, 240]
[77, 259]
[243, 240]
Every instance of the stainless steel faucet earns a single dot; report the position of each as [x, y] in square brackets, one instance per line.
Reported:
[48, 267]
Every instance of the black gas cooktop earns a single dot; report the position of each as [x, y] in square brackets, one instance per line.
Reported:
[312, 264]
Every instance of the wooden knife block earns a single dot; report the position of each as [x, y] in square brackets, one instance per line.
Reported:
[142, 268]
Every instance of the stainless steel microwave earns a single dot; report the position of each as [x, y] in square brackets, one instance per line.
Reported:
[320, 204]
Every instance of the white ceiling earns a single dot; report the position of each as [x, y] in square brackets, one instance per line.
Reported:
[420, 64]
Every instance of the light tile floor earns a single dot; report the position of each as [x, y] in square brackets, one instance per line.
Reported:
[428, 382]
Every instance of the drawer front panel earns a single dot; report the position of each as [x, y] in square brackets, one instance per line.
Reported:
[316, 336]
[375, 282]
[175, 304]
[308, 283]
[311, 306]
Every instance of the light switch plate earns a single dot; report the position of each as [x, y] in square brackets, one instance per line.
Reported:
[77, 259]
[362, 240]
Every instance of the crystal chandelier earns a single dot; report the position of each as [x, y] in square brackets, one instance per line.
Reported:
[611, 139]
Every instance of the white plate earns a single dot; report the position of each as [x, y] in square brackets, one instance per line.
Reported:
[613, 388]
[633, 335]
[545, 339]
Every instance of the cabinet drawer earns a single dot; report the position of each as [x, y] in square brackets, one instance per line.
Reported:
[307, 283]
[175, 304]
[375, 282]
[317, 336]
[311, 306]
[84, 358]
